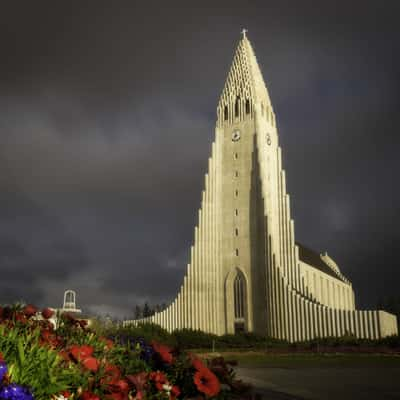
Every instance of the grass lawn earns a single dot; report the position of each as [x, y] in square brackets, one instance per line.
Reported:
[254, 359]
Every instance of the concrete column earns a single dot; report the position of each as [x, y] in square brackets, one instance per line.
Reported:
[360, 324]
[280, 208]
[202, 262]
[302, 319]
[375, 324]
[284, 225]
[287, 239]
[321, 322]
[196, 278]
[274, 299]
[296, 314]
[290, 313]
[292, 255]
[210, 241]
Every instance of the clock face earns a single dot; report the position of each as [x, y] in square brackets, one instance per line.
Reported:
[235, 135]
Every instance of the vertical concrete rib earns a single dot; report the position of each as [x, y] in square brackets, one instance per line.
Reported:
[196, 316]
[202, 262]
[292, 255]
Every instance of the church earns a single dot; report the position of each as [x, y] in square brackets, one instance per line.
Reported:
[247, 272]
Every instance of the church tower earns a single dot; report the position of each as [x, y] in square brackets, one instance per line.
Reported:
[246, 272]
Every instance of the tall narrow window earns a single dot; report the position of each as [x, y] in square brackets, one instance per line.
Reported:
[239, 296]
[247, 106]
[236, 231]
[226, 113]
[236, 193]
[236, 212]
[235, 156]
[237, 106]
[236, 173]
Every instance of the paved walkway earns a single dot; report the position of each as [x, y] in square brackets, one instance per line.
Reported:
[361, 383]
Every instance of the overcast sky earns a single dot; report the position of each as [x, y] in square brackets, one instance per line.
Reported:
[107, 113]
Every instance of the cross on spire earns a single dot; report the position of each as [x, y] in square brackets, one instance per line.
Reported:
[244, 33]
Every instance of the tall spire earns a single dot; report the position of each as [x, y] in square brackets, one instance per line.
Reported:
[244, 83]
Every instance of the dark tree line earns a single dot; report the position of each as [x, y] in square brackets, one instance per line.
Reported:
[146, 310]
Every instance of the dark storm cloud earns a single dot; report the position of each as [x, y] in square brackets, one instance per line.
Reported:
[106, 119]
[33, 246]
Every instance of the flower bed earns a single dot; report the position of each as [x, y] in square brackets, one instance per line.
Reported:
[38, 361]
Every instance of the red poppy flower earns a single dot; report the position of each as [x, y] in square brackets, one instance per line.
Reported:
[163, 351]
[81, 352]
[47, 313]
[86, 395]
[65, 394]
[207, 382]
[29, 310]
[91, 363]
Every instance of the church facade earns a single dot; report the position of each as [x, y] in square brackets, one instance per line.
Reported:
[247, 272]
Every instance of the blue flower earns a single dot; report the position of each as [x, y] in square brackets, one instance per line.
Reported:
[3, 370]
[15, 392]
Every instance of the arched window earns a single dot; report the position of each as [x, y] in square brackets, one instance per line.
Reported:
[239, 296]
[247, 106]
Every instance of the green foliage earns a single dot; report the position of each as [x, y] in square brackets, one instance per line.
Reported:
[146, 331]
[242, 340]
[33, 365]
[194, 339]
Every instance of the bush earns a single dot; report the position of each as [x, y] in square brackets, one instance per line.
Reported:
[146, 331]
[194, 339]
